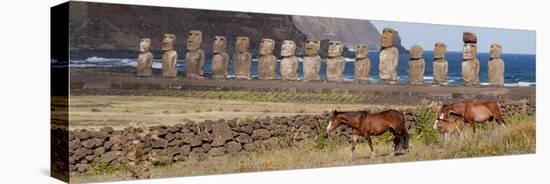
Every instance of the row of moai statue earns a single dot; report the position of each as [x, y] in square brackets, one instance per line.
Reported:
[335, 64]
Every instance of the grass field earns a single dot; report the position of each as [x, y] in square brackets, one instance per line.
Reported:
[519, 137]
[92, 111]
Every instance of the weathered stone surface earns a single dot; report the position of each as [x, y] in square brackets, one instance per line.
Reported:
[206, 147]
[249, 147]
[82, 167]
[267, 69]
[469, 37]
[170, 136]
[82, 134]
[335, 62]
[261, 134]
[243, 58]
[185, 150]
[496, 66]
[470, 71]
[289, 62]
[440, 66]
[416, 65]
[221, 133]
[389, 59]
[196, 141]
[220, 60]
[159, 144]
[362, 63]
[194, 57]
[312, 60]
[470, 63]
[217, 151]
[386, 40]
[233, 147]
[247, 129]
[108, 157]
[188, 137]
[145, 58]
[175, 142]
[169, 56]
[99, 151]
[312, 68]
[75, 144]
[81, 153]
[243, 138]
[89, 143]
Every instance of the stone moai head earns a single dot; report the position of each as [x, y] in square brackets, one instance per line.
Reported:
[470, 45]
[168, 41]
[220, 43]
[242, 44]
[335, 48]
[312, 46]
[440, 49]
[266, 46]
[361, 51]
[495, 51]
[386, 40]
[288, 48]
[145, 45]
[194, 40]
[416, 52]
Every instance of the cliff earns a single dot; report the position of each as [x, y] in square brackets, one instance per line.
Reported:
[114, 30]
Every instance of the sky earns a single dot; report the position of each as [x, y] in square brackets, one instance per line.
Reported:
[512, 40]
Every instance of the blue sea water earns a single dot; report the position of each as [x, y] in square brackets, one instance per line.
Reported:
[520, 69]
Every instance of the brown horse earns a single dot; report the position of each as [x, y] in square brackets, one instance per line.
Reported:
[474, 112]
[373, 124]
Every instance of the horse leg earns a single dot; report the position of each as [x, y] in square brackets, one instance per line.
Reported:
[369, 140]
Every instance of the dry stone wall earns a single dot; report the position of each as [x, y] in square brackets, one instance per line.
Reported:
[202, 140]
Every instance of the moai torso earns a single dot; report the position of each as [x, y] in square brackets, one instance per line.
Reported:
[243, 58]
[169, 56]
[194, 58]
[440, 66]
[335, 62]
[289, 62]
[268, 61]
[312, 61]
[389, 57]
[362, 63]
[416, 65]
[470, 64]
[496, 66]
[145, 58]
[220, 60]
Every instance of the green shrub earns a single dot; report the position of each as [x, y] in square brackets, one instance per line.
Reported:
[424, 132]
[103, 168]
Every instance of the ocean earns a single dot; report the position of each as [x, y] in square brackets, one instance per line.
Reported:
[520, 69]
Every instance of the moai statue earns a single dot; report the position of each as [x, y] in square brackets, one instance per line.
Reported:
[440, 66]
[362, 63]
[268, 61]
[243, 58]
[389, 57]
[145, 58]
[335, 62]
[169, 56]
[470, 63]
[194, 58]
[496, 66]
[289, 62]
[312, 60]
[220, 60]
[416, 65]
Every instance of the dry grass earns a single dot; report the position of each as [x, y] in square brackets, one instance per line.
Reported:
[517, 138]
[123, 111]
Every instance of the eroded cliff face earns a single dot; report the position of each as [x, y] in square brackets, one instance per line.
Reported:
[113, 30]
